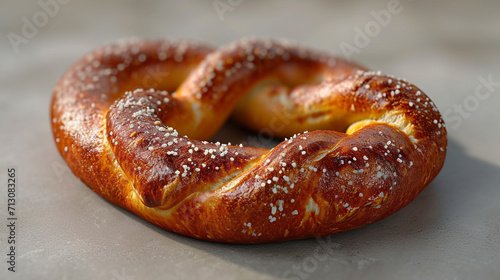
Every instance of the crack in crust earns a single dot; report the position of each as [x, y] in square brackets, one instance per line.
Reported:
[120, 114]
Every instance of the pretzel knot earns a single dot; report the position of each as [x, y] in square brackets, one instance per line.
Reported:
[120, 116]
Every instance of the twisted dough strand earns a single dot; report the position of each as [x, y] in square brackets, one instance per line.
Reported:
[125, 147]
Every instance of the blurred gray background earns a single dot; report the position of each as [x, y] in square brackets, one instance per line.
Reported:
[450, 49]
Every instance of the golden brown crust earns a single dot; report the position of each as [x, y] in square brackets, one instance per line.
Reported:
[121, 132]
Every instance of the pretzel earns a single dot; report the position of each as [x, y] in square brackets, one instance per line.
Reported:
[131, 120]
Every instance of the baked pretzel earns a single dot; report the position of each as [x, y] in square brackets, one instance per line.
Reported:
[119, 117]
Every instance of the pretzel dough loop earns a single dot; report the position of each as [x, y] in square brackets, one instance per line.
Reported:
[127, 143]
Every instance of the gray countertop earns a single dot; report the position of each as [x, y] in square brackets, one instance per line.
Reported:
[450, 49]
